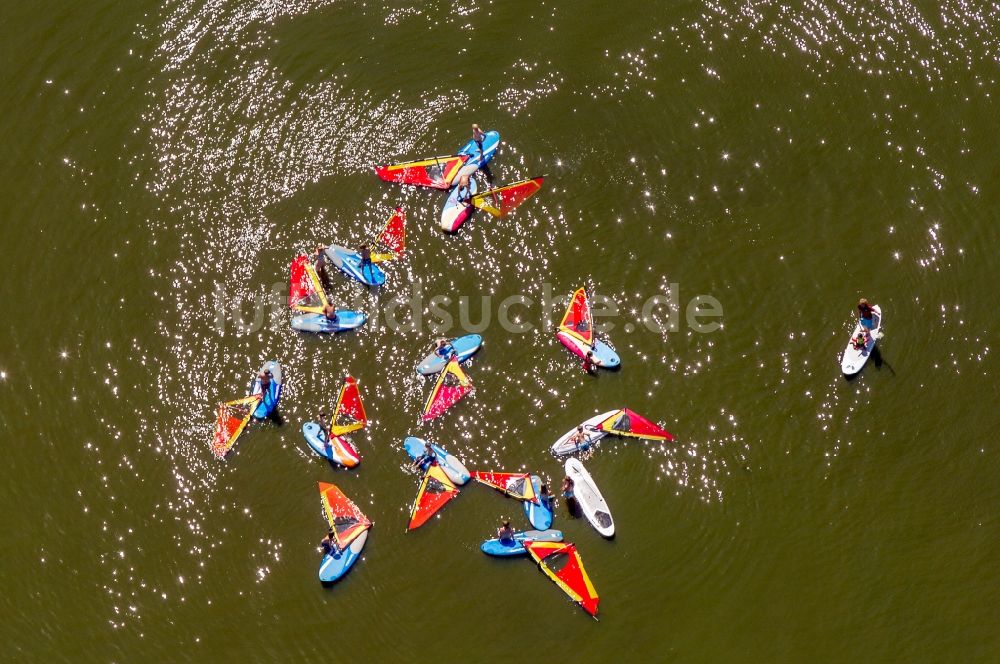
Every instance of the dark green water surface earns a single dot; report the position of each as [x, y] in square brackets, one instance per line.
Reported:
[163, 162]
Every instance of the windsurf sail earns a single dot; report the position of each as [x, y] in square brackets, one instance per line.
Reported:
[231, 418]
[562, 563]
[435, 490]
[452, 384]
[436, 172]
[349, 414]
[627, 422]
[503, 200]
[388, 245]
[578, 322]
[517, 485]
[344, 517]
[305, 291]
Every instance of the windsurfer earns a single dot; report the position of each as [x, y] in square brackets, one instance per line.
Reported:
[505, 533]
[329, 544]
[579, 439]
[545, 497]
[330, 313]
[568, 495]
[866, 311]
[589, 365]
[444, 348]
[265, 380]
[478, 136]
[324, 424]
[427, 458]
[365, 252]
[860, 341]
[464, 193]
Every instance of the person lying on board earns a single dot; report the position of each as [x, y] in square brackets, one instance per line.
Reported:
[589, 365]
[329, 544]
[265, 381]
[330, 313]
[427, 458]
[860, 341]
[464, 193]
[866, 311]
[505, 533]
[444, 348]
[478, 136]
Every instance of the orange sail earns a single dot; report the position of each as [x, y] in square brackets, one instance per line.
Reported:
[389, 244]
[349, 414]
[578, 321]
[503, 200]
[435, 490]
[344, 517]
[305, 291]
[436, 172]
[517, 485]
[231, 418]
[451, 386]
[562, 563]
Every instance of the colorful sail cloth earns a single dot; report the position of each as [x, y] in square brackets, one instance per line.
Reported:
[436, 172]
[503, 200]
[389, 244]
[305, 291]
[627, 422]
[452, 384]
[562, 563]
[435, 490]
[231, 418]
[578, 321]
[344, 517]
[349, 414]
[517, 485]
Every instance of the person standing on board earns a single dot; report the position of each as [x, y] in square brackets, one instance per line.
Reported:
[464, 193]
[478, 136]
[866, 311]
[545, 497]
[324, 424]
[319, 264]
[265, 381]
[329, 544]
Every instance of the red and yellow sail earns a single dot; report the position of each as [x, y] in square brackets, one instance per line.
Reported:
[231, 418]
[578, 320]
[627, 422]
[503, 200]
[349, 414]
[516, 485]
[451, 386]
[305, 291]
[344, 517]
[562, 563]
[389, 244]
[435, 491]
[436, 172]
